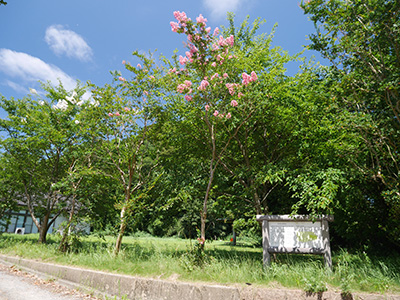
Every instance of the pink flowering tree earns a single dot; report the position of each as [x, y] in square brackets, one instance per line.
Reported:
[217, 90]
[122, 124]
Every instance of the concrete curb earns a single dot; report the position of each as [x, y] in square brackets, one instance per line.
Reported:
[106, 285]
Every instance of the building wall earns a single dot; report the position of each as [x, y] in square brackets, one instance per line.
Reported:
[23, 219]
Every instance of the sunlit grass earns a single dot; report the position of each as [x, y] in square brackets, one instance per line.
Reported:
[167, 258]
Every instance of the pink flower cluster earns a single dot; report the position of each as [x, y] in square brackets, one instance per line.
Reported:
[199, 38]
[231, 87]
[203, 85]
[217, 114]
[204, 49]
[216, 75]
[249, 78]
[185, 87]
[182, 60]
[201, 20]
[181, 16]
[229, 41]
[174, 26]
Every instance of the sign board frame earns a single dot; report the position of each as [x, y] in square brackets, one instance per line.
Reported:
[296, 234]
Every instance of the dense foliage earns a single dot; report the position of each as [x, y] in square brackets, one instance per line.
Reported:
[201, 143]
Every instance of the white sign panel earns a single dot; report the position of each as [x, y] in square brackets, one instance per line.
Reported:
[295, 234]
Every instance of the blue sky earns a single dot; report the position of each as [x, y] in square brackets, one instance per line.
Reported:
[86, 39]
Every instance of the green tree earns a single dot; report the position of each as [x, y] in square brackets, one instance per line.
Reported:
[8, 194]
[40, 135]
[121, 126]
[361, 40]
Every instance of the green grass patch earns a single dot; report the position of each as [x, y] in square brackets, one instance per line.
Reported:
[167, 258]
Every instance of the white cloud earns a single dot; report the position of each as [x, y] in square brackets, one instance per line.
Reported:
[29, 70]
[219, 8]
[64, 41]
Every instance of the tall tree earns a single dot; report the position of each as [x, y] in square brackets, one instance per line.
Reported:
[361, 40]
[213, 89]
[121, 127]
[39, 135]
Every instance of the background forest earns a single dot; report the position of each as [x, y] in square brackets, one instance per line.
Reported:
[196, 144]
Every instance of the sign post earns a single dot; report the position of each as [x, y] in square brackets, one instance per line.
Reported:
[295, 234]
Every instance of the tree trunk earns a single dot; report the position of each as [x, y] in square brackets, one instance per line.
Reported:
[64, 241]
[203, 216]
[43, 230]
[122, 228]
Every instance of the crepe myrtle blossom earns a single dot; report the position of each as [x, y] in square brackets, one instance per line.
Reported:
[201, 20]
[228, 115]
[61, 104]
[117, 114]
[120, 78]
[72, 98]
[231, 88]
[127, 109]
[174, 26]
[229, 41]
[182, 60]
[181, 16]
[203, 85]
[185, 87]
[188, 97]
[253, 76]
[234, 103]
[33, 91]
[93, 102]
[246, 79]
[123, 62]
[216, 75]
[216, 31]
[216, 113]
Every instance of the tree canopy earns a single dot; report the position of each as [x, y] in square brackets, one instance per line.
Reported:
[196, 144]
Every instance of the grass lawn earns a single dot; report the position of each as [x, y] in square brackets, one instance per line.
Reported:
[221, 263]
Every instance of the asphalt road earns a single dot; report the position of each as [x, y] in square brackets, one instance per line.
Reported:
[17, 285]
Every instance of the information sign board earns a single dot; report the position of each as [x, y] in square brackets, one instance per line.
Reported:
[296, 234]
